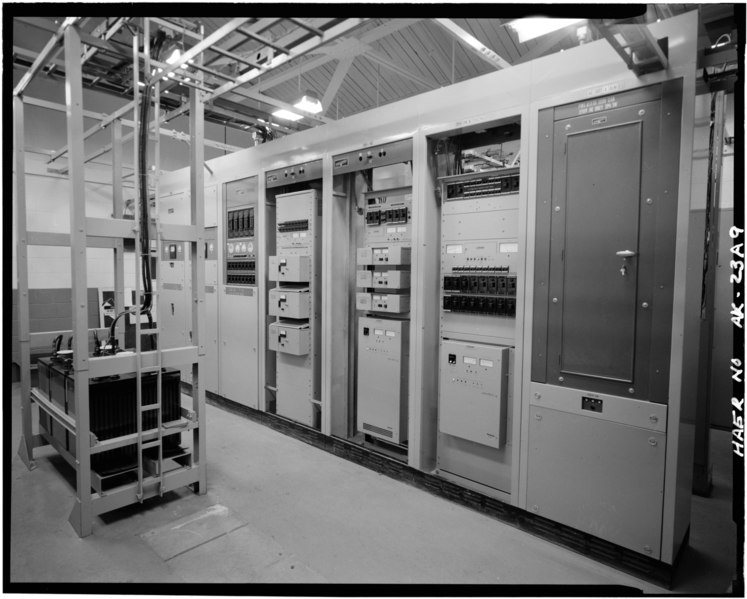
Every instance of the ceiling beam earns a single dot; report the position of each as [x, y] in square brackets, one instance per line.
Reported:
[307, 26]
[343, 66]
[333, 32]
[234, 115]
[236, 40]
[264, 40]
[85, 37]
[108, 34]
[540, 49]
[255, 95]
[337, 51]
[400, 70]
[200, 47]
[473, 44]
[44, 55]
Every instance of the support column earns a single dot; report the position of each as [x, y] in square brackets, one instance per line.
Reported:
[197, 191]
[82, 514]
[26, 447]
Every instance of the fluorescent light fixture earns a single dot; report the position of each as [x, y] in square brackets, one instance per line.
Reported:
[174, 57]
[287, 115]
[310, 103]
[531, 27]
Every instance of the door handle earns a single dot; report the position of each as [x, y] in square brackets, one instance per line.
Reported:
[625, 254]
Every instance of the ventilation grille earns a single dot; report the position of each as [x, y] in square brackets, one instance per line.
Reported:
[378, 430]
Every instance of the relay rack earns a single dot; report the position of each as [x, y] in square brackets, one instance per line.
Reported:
[488, 185]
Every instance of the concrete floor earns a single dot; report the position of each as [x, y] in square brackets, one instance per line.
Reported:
[280, 511]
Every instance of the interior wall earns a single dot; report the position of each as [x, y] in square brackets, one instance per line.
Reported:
[720, 389]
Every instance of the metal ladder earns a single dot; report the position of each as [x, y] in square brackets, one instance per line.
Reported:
[156, 407]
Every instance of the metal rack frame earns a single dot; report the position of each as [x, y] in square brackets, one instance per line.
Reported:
[85, 232]
[205, 85]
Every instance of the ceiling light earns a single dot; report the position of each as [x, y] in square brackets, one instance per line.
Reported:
[532, 27]
[310, 103]
[287, 115]
[176, 54]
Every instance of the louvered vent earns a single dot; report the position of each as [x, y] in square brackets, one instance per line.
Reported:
[378, 430]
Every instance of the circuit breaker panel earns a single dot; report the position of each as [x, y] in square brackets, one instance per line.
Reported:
[238, 306]
[295, 335]
[241, 259]
[479, 280]
[173, 301]
[382, 281]
[602, 325]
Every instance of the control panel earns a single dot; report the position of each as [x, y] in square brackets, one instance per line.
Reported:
[240, 256]
[382, 378]
[373, 156]
[480, 266]
[295, 336]
[298, 173]
[388, 217]
[480, 256]
[487, 294]
[382, 279]
[483, 186]
[173, 306]
[237, 305]
[473, 400]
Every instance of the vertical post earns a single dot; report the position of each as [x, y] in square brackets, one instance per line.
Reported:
[26, 448]
[138, 247]
[82, 514]
[702, 467]
[118, 212]
[197, 190]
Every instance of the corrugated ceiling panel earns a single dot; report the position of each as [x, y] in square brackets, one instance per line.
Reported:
[466, 65]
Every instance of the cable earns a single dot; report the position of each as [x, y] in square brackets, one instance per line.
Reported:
[146, 307]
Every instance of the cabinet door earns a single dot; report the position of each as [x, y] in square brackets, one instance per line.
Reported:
[238, 360]
[605, 262]
[601, 477]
